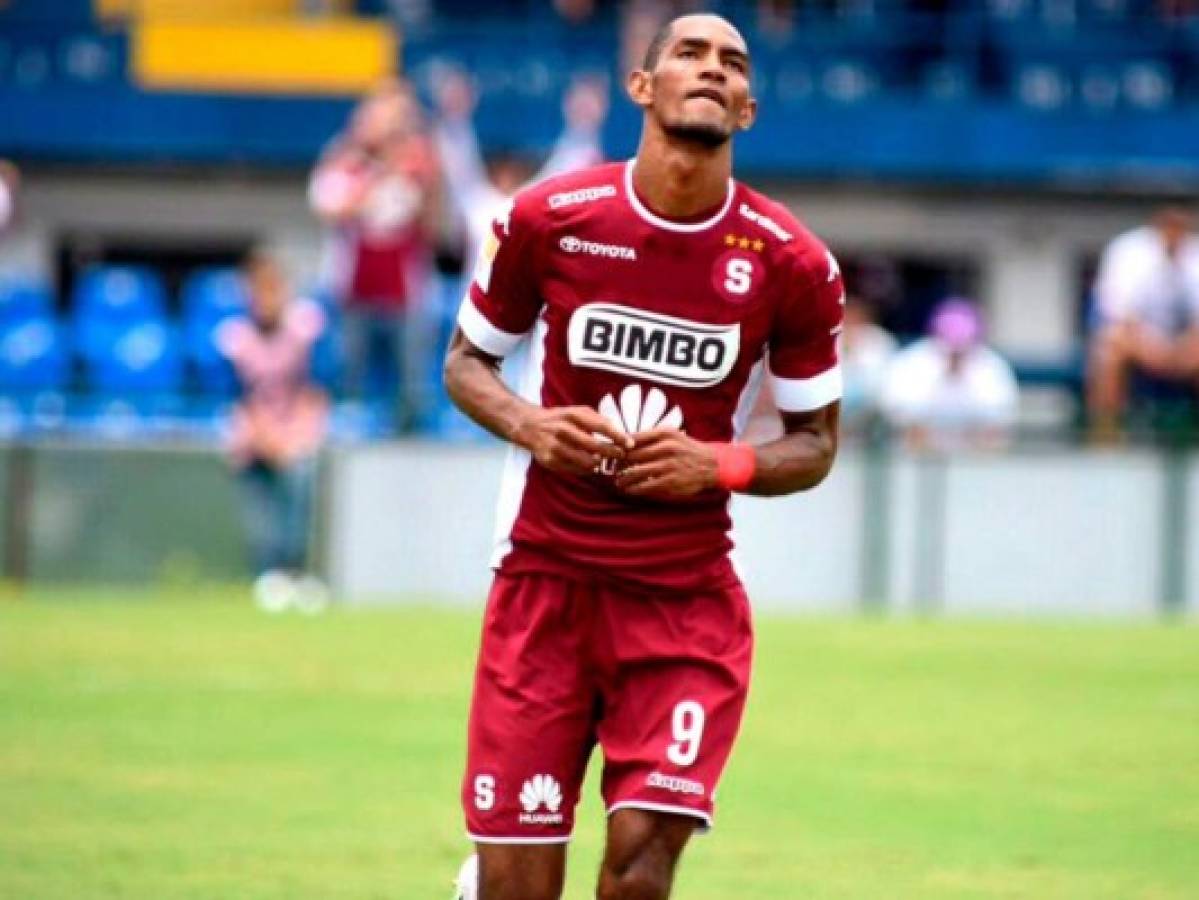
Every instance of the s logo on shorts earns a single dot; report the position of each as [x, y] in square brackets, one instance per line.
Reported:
[484, 792]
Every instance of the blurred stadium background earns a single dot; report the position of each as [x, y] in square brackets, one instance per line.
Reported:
[159, 736]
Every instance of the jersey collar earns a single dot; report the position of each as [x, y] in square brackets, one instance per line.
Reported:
[685, 227]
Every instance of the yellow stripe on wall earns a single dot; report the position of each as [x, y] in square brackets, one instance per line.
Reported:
[326, 56]
[195, 9]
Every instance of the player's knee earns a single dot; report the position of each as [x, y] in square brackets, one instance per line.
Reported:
[643, 850]
[643, 880]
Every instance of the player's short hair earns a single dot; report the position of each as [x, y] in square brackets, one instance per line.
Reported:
[656, 44]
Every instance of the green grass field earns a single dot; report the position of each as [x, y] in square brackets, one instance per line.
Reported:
[171, 746]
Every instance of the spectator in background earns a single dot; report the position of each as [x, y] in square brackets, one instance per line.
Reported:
[776, 17]
[575, 12]
[277, 428]
[865, 351]
[949, 390]
[1147, 317]
[10, 188]
[376, 186]
[1180, 11]
[478, 191]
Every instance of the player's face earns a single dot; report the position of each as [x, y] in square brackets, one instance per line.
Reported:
[700, 86]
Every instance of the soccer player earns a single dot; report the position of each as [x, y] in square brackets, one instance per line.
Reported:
[657, 294]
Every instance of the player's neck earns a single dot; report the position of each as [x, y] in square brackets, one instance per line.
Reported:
[681, 181]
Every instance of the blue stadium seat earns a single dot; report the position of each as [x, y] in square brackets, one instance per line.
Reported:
[108, 300]
[33, 354]
[120, 291]
[22, 299]
[1043, 86]
[1148, 84]
[794, 83]
[91, 59]
[210, 296]
[137, 357]
[949, 80]
[846, 80]
[1102, 64]
[214, 293]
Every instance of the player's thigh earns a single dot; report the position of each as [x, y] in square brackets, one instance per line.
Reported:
[641, 853]
[673, 699]
[521, 871]
[531, 723]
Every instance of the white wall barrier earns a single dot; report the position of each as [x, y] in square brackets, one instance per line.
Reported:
[1041, 533]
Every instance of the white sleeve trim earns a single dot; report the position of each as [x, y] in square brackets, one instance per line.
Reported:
[482, 333]
[806, 394]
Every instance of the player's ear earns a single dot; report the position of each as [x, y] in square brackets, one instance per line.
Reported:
[640, 85]
[748, 114]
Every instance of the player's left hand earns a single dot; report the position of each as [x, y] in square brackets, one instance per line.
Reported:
[666, 464]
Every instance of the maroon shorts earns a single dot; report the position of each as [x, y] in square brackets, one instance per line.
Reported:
[659, 681]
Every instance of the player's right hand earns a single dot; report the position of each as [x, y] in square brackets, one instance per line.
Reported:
[571, 439]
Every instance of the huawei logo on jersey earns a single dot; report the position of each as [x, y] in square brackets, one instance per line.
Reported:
[637, 410]
[649, 345]
[640, 410]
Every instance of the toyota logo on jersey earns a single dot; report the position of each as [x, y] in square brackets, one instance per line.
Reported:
[649, 345]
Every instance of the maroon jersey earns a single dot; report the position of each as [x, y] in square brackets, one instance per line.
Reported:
[653, 322]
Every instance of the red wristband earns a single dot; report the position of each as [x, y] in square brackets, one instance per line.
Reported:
[735, 465]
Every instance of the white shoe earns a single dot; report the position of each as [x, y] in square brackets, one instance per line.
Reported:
[312, 597]
[466, 885]
[274, 592]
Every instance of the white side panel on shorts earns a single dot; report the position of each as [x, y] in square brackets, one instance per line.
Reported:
[518, 460]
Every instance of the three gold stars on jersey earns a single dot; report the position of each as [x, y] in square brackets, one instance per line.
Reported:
[733, 240]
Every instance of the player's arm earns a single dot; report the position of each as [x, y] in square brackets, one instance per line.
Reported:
[801, 458]
[500, 308]
[573, 439]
